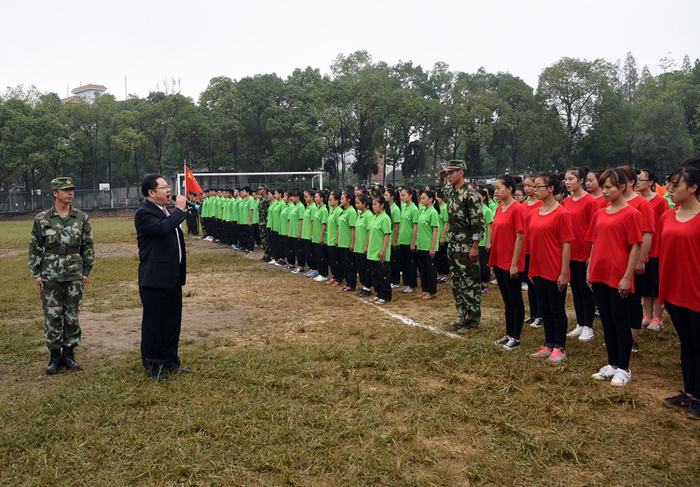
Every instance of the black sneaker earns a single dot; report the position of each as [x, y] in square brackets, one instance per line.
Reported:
[364, 293]
[502, 341]
[528, 321]
[512, 344]
[680, 401]
[693, 411]
[635, 346]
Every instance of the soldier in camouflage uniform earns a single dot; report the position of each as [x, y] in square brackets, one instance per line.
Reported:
[465, 230]
[263, 209]
[61, 255]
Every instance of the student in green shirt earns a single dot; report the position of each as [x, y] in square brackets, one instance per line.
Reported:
[364, 219]
[334, 211]
[346, 240]
[379, 249]
[307, 226]
[391, 195]
[235, 212]
[295, 216]
[442, 265]
[272, 214]
[428, 228]
[228, 218]
[408, 233]
[284, 227]
[245, 220]
[256, 218]
[319, 234]
[485, 243]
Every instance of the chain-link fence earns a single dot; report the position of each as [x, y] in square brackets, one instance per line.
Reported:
[87, 199]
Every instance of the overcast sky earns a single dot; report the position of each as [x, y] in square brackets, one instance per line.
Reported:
[54, 44]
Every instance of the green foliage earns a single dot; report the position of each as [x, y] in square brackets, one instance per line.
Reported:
[585, 112]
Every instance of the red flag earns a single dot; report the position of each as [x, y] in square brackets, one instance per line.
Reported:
[191, 184]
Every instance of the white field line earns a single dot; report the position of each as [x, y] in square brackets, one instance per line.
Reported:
[410, 322]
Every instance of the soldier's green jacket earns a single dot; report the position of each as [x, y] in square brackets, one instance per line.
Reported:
[465, 216]
[61, 249]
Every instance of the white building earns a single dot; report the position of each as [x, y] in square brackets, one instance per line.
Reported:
[85, 94]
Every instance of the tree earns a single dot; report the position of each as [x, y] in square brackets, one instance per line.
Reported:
[572, 87]
[631, 77]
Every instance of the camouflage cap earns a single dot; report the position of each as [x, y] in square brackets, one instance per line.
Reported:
[62, 183]
[455, 165]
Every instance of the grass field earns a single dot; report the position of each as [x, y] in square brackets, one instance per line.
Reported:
[295, 384]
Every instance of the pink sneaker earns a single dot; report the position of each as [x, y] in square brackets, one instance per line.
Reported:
[558, 355]
[654, 325]
[645, 321]
[543, 352]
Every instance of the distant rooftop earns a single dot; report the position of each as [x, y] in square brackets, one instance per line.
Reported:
[80, 89]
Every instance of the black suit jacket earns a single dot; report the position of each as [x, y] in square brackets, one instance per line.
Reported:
[158, 250]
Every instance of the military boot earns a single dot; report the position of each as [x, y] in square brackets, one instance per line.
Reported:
[54, 362]
[69, 359]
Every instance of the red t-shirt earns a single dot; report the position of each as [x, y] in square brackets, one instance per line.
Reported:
[600, 201]
[659, 206]
[547, 234]
[612, 236]
[529, 210]
[503, 230]
[582, 212]
[679, 252]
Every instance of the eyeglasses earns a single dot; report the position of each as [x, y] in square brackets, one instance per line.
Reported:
[162, 187]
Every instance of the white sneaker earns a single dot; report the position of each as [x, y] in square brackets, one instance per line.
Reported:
[403, 289]
[576, 331]
[407, 290]
[320, 278]
[394, 286]
[587, 334]
[606, 372]
[621, 378]
[537, 323]
[273, 262]
[523, 287]
[297, 270]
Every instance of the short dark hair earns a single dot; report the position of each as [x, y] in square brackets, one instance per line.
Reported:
[149, 182]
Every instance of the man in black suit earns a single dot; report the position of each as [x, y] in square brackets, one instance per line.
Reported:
[162, 271]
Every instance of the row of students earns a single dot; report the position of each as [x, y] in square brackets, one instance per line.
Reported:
[615, 249]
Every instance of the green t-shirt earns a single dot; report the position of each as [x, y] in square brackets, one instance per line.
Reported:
[244, 210]
[444, 218]
[205, 208]
[379, 227]
[254, 203]
[284, 219]
[332, 225]
[364, 219]
[493, 205]
[320, 219]
[488, 219]
[236, 209]
[346, 222]
[427, 220]
[409, 217]
[228, 213]
[271, 215]
[296, 213]
[308, 221]
[395, 219]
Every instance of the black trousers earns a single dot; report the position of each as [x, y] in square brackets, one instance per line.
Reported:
[299, 251]
[334, 262]
[584, 303]
[348, 267]
[381, 273]
[687, 325]
[363, 270]
[160, 327]
[408, 266]
[615, 315]
[535, 311]
[552, 302]
[512, 296]
[636, 305]
[441, 263]
[484, 264]
[321, 261]
[426, 267]
[309, 254]
[395, 266]
[256, 233]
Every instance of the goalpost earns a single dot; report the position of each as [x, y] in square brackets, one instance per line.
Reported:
[300, 179]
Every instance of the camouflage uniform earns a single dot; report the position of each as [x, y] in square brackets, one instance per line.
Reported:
[466, 227]
[263, 208]
[61, 252]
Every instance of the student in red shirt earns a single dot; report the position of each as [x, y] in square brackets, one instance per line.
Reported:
[550, 235]
[507, 258]
[679, 248]
[648, 227]
[531, 205]
[593, 188]
[648, 287]
[615, 235]
[582, 207]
